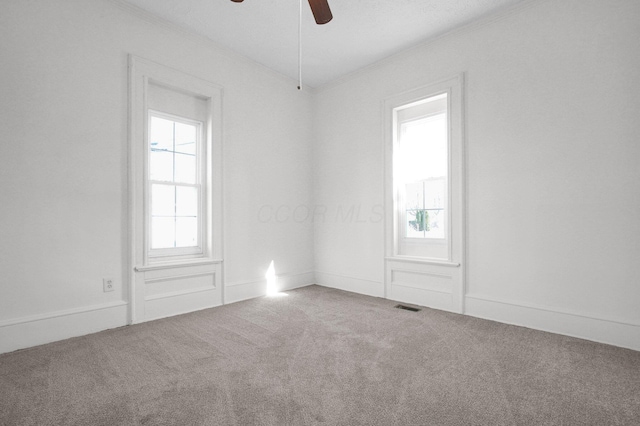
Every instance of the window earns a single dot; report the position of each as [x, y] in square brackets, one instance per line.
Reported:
[177, 158]
[175, 191]
[424, 177]
[175, 168]
[175, 185]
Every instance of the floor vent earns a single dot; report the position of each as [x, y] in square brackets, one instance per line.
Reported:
[407, 308]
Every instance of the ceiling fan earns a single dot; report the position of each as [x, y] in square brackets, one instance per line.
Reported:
[320, 9]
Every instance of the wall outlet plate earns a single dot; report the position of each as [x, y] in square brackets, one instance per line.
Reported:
[108, 284]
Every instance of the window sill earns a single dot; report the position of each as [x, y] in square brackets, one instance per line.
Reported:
[423, 260]
[168, 265]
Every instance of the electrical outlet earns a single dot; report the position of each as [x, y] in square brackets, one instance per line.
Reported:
[108, 284]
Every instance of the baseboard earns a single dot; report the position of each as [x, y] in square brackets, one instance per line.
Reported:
[352, 284]
[36, 330]
[613, 332]
[243, 290]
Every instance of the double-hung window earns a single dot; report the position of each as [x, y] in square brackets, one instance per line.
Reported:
[422, 178]
[176, 167]
[424, 173]
[175, 191]
[176, 183]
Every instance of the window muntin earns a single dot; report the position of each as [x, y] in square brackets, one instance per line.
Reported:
[425, 210]
[175, 185]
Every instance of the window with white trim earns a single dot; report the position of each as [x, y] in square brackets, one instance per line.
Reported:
[176, 167]
[424, 172]
[175, 191]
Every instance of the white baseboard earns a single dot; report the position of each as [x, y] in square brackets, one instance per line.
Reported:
[352, 284]
[243, 290]
[613, 332]
[36, 330]
[25, 332]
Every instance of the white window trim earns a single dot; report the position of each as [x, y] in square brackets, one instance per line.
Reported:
[142, 72]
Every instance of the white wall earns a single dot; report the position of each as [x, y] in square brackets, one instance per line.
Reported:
[63, 163]
[553, 99]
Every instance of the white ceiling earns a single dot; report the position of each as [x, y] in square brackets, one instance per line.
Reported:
[361, 32]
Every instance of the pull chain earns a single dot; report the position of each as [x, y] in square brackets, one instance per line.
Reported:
[300, 47]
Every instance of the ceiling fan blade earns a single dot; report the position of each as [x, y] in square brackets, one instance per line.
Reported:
[321, 11]
[320, 8]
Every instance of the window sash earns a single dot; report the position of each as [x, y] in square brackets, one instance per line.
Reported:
[199, 184]
[404, 115]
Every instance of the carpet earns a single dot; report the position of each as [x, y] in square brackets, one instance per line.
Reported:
[320, 356]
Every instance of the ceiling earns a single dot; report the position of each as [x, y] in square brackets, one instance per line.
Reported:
[362, 31]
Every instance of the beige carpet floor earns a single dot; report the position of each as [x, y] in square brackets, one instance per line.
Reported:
[320, 356]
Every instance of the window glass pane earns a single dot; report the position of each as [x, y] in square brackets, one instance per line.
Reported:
[435, 192]
[414, 199]
[163, 232]
[161, 134]
[186, 201]
[161, 166]
[163, 200]
[414, 204]
[185, 168]
[415, 223]
[423, 148]
[186, 231]
[186, 138]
